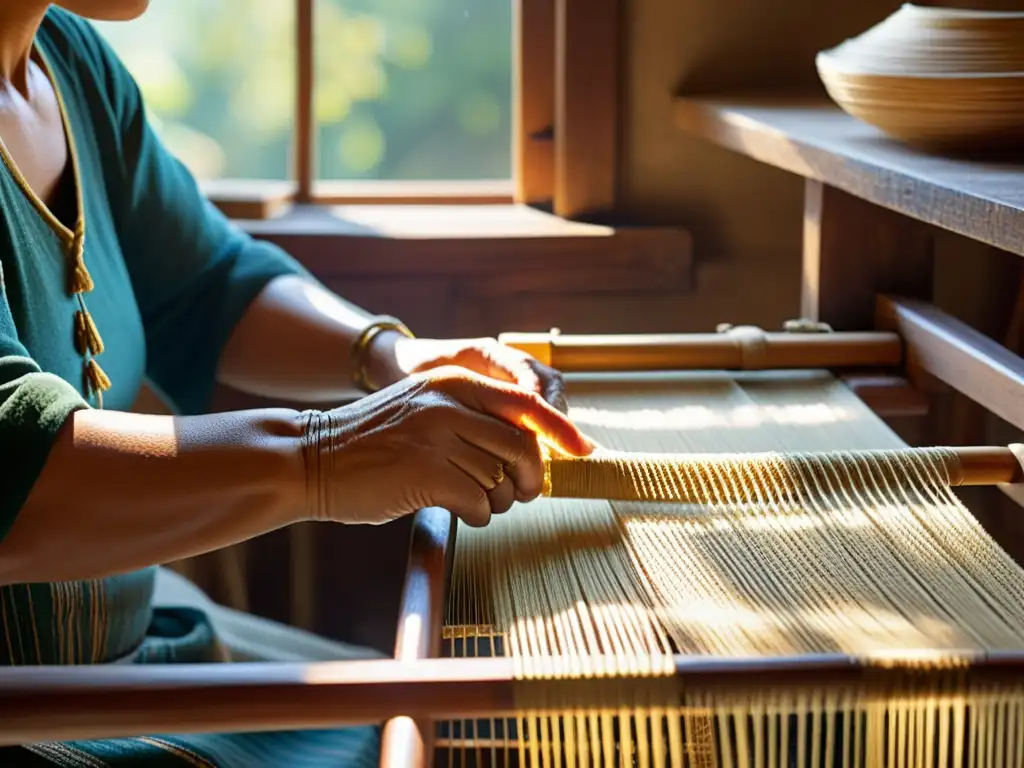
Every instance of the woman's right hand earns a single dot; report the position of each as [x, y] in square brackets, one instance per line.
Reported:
[445, 438]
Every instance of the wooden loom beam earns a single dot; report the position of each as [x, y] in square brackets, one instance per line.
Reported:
[751, 350]
[952, 352]
[94, 702]
[670, 477]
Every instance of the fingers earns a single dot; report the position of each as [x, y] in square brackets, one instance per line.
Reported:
[552, 386]
[489, 475]
[528, 473]
[503, 363]
[502, 497]
[508, 364]
[462, 495]
[515, 448]
[520, 408]
[486, 468]
[490, 444]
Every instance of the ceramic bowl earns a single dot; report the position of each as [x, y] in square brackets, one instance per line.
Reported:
[934, 76]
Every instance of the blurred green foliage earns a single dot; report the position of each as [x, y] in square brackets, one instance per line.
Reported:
[406, 89]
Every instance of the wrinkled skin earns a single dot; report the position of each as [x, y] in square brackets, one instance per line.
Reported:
[448, 437]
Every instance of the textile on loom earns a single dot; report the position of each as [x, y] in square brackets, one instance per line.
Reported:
[864, 558]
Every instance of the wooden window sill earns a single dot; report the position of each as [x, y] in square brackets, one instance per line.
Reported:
[504, 248]
[266, 199]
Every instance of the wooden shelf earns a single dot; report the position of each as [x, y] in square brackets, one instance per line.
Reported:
[813, 138]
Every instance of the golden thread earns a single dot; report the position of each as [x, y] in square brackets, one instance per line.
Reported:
[797, 550]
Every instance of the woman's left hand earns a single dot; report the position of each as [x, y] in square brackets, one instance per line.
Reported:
[483, 356]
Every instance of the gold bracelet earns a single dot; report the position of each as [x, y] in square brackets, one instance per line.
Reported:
[361, 348]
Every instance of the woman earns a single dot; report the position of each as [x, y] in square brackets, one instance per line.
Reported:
[115, 269]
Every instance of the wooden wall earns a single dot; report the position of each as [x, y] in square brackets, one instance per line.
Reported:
[745, 218]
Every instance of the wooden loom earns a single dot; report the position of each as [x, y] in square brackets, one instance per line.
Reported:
[853, 250]
[417, 688]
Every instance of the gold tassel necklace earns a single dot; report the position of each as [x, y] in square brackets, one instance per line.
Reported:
[87, 339]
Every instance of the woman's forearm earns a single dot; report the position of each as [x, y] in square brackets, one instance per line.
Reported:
[124, 491]
[295, 342]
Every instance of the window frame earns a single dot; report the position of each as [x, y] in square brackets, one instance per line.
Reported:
[564, 132]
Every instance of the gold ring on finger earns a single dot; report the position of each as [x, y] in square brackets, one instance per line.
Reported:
[499, 476]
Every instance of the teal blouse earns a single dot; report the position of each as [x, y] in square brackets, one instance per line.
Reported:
[171, 279]
[171, 276]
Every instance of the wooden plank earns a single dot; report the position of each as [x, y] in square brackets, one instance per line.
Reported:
[534, 101]
[854, 250]
[709, 351]
[257, 199]
[890, 397]
[955, 353]
[374, 192]
[812, 137]
[103, 701]
[586, 107]
[64, 703]
[249, 199]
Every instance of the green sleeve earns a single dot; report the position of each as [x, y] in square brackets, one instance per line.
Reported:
[193, 272]
[33, 408]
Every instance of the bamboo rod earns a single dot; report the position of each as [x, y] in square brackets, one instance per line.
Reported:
[95, 702]
[697, 478]
[739, 349]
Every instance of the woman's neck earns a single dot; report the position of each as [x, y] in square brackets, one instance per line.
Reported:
[19, 22]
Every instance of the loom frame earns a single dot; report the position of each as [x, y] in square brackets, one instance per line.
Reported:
[933, 346]
[863, 235]
[57, 703]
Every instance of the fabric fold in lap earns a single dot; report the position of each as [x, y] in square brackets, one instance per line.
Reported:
[251, 638]
[188, 627]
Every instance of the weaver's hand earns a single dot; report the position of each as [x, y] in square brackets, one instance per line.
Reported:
[484, 356]
[447, 437]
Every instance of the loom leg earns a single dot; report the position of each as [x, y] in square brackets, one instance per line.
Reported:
[854, 250]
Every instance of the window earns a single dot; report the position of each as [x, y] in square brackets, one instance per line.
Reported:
[413, 89]
[218, 77]
[404, 89]
[381, 100]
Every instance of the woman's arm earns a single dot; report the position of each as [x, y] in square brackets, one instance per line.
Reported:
[124, 491]
[295, 341]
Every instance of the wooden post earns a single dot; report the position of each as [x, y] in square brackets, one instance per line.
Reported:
[586, 106]
[534, 101]
[853, 251]
[407, 742]
[305, 97]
